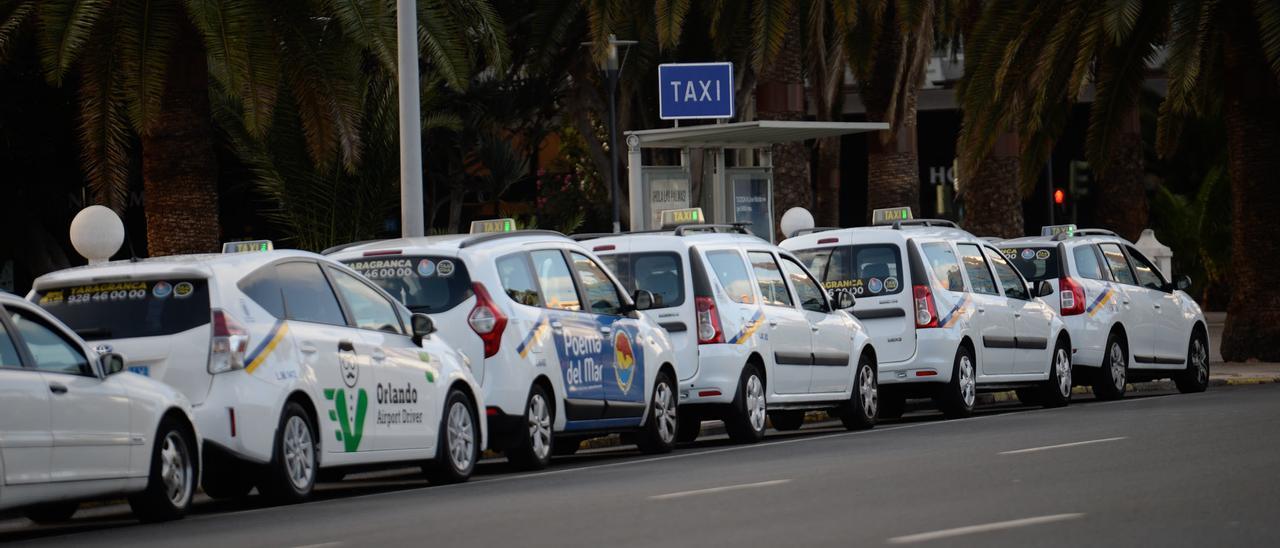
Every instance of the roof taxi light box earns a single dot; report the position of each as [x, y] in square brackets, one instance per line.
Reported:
[493, 225]
[676, 217]
[247, 247]
[889, 215]
[1058, 229]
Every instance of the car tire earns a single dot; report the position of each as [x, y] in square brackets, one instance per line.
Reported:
[290, 477]
[1028, 396]
[52, 513]
[863, 407]
[458, 444]
[534, 449]
[1196, 377]
[786, 421]
[745, 421]
[171, 483]
[1056, 390]
[959, 396]
[660, 431]
[1109, 382]
[892, 405]
[690, 427]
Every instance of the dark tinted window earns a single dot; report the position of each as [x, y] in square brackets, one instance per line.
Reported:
[424, 284]
[307, 294]
[602, 294]
[773, 290]
[862, 270]
[1088, 263]
[807, 289]
[945, 265]
[1014, 286]
[660, 273]
[732, 273]
[1119, 267]
[517, 280]
[51, 351]
[124, 310]
[1035, 263]
[8, 352]
[979, 275]
[263, 288]
[1148, 276]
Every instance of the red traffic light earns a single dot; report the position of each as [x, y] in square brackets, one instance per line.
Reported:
[1059, 197]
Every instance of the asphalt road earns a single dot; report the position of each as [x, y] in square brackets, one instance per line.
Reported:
[1167, 470]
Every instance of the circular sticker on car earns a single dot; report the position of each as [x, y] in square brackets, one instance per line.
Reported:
[183, 290]
[161, 290]
[1028, 254]
[1043, 254]
[426, 268]
[444, 268]
[890, 284]
[874, 285]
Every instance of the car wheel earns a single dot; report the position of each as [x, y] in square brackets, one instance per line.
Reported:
[786, 421]
[458, 444]
[892, 403]
[172, 480]
[1056, 390]
[690, 427]
[47, 514]
[864, 406]
[959, 395]
[533, 450]
[1109, 382]
[659, 435]
[1196, 376]
[291, 475]
[745, 422]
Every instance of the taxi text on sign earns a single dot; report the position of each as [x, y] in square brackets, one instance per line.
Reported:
[695, 90]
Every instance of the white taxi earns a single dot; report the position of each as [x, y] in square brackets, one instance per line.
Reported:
[754, 332]
[74, 426]
[947, 312]
[1127, 321]
[296, 365]
[560, 349]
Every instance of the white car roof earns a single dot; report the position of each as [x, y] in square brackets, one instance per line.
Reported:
[1075, 240]
[873, 234]
[200, 266]
[450, 244]
[656, 240]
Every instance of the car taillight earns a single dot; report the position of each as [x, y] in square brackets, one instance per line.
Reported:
[486, 320]
[709, 331]
[1071, 294]
[926, 312]
[228, 345]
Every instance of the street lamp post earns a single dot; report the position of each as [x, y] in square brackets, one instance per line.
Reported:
[611, 69]
[412, 218]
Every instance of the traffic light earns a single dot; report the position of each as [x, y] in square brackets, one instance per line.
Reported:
[1059, 197]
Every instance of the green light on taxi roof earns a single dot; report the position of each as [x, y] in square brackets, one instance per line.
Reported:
[506, 226]
[695, 215]
[904, 214]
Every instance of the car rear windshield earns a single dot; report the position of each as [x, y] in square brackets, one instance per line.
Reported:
[1035, 263]
[660, 273]
[129, 309]
[861, 270]
[426, 283]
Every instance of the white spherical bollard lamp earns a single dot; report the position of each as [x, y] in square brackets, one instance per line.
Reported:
[795, 219]
[97, 233]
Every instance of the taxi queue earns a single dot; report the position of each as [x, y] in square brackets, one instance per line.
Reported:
[276, 369]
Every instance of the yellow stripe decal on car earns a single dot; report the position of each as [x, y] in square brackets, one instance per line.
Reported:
[749, 329]
[539, 330]
[956, 312]
[259, 354]
[1100, 301]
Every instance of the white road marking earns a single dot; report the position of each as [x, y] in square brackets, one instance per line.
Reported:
[983, 528]
[710, 490]
[321, 545]
[1061, 445]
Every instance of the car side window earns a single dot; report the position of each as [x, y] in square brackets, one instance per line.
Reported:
[1088, 264]
[808, 291]
[557, 281]
[263, 287]
[1148, 276]
[1115, 261]
[1014, 286]
[307, 294]
[9, 356]
[979, 275]
[369, 310]
[602, 294]
[773, 290]
[51, 351]
[517, 280]
[946, 268]
[732, 273]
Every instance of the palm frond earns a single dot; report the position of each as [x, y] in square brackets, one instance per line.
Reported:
[1120, 16]
[443, 41]
[243, 54]
[146, 35]
[65, 27]
[770, 23]
[371, 23]
[12, 16]
[1267, 14]
[1121, 71]
[670, 16]
[322, 71]
[104, 129]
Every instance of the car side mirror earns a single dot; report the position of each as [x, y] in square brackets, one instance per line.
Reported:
[1044, 289]
[112, 363]
[643, 299]
[423, 325]
[844, 300]
[1182, 282]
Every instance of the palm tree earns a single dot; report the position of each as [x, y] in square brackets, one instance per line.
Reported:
[150, 67]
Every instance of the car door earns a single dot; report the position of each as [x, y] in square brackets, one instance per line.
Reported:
[1136, 305]
[26, 434]
[874, 276]
[1032, 319]
[789, 329]
[1168, 332]
[328, 353]
[579, 340]
[623, 386]
[993, 318]
[830, 331]
[88, 414]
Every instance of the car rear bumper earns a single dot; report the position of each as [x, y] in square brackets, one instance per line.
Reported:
[932, 363]
[719, 370]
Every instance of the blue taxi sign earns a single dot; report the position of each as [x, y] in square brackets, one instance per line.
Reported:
[1054, 230]
[250, 246]
[889, 215]
[690, 91]
[676, 217]
[493, 225]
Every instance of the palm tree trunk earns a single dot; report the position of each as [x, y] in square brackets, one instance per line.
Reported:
[1122, 194]
[780, 96]
[1253, 161]
[893, 170]
[827, 207]
[179, 169]
[993, 197]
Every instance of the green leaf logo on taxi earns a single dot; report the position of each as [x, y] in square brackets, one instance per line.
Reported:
[348, 433]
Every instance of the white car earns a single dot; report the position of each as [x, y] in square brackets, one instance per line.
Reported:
[74, 426]
[296, 365]
[753, 330]
[557, 345]
[1127, 322]
[948, 314]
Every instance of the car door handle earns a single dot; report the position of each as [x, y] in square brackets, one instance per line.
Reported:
[307, 348]
[346, 346]
[982, 311]
[814, 328]
[557, 326]
[1157, 307]
[773, 323]
[1126, 303]
[57, 388]
[606, 329]
[379, 355]
[1017, 314]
